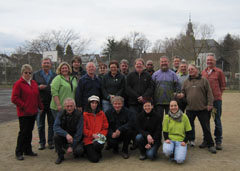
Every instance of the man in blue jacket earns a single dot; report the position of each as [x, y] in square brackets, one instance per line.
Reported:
[44, 78]
[68, 129]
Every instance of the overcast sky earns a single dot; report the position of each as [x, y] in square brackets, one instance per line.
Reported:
[99, 19]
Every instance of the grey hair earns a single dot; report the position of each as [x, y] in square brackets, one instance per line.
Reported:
[117, 98]
[124, 61]
[183, 61]
[69, 100]
[149, 61]
[25, 67]
[211, 54]
[89, 64]
[46, 58]
[164, 57]
[140, 59]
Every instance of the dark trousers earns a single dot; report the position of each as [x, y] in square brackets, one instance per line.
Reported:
[218, 124]
[94, 151]
[204, 119]
[26, 125]
[160, 110]
[125, 137]
[182, 104]
[61, 144]
[41, 125]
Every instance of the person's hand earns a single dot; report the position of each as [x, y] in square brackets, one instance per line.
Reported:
[111, 97]
[95, 136]
[118, 132]
[168, 141]
[79, 109]
[183, 143]
[42, 86]
[59, 108]
[209, 108]
[150, 139]
[114, 135]
[140, 99]
[69, 150]
[180, 95]
[148, 146]
[69, 138]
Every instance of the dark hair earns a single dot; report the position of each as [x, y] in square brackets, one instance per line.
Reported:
[77, 58]
[102, 64]
[89, 109]
[175, 100]
[114, 62]
[147, 100]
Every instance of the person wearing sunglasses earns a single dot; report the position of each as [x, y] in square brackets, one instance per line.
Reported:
[25, 95]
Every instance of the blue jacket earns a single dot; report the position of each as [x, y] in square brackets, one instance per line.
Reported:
[87, 87]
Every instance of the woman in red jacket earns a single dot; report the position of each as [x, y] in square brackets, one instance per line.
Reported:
[95, 128]
[25, 96]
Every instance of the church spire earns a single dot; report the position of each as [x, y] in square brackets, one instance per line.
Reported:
[189, 31]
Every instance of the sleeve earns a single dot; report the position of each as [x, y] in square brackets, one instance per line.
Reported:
[131, 92]
[57, 127]
[104, 89]
[122, 87]
[222, 82]
[209, 93]
[188, 128]
[150, 89]
[165, 127]
[55, 86]
[139, 128]
[86, 131]
[78, 136]
[110, 130]
[130, 122]
[177, 84]
[79, 94]
[16, 94]
[104, 130]
[157, 135]
[165, 134]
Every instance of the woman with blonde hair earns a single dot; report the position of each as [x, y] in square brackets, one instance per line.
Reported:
[63, 86]
[25, 95]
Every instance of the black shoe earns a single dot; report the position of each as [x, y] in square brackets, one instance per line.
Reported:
[203, 145]
[59, 160]
[125, 155]
[212, 150]
[30, 154]
[50, 146]
[133, 147]
[41, 147]
[20, 157]
[218, 146]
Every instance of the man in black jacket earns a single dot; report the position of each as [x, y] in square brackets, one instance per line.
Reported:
[68, 129]
[77, 70]
[44, 78]
[139, 86]
[120, 121]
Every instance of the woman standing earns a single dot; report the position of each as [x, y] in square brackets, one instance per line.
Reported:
[149, 129]
[25, 95]
[95, 128]
[113, 84]
[176, 129]
[63, 86]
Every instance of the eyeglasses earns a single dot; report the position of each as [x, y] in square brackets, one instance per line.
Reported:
[28, 73]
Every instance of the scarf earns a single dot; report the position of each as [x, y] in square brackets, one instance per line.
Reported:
[176, 116]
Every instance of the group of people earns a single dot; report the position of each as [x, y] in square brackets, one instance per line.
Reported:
[85, 111]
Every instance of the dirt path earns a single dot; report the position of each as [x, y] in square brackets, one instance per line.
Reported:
[197, 159]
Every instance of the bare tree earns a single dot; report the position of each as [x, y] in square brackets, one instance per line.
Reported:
[48, 41]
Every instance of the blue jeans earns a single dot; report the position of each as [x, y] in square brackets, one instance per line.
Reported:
[176, 149]
[150, 153]
[218, 124]
[41, 126]
[106, 105]
[54, 113]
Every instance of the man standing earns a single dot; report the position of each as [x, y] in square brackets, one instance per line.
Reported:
[139, 86]
[120, 121]
[176, 63]
[68, 129]
[217, 82]
[199, 97]
[166, 84]
[124, 67]
[44, 78]
[149, 67]
[88, 85]
[77, 70]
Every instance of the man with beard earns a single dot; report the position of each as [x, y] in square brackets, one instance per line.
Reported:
[166, 86]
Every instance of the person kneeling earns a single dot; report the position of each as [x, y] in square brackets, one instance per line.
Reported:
[120, 121]
[149, 127]
[95, 129]
[68, 129]
[176, 129]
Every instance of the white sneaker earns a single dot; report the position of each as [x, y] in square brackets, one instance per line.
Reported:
[191, 143]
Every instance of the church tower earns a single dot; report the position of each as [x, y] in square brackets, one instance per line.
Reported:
[189, 32]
